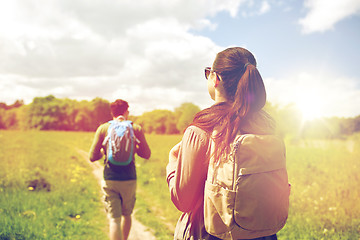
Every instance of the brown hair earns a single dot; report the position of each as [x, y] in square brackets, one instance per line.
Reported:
[118, 107]
[245, 92]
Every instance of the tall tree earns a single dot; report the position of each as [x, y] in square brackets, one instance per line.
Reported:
[185, 114]
[157, 121]
[45, 113]
[99, 112]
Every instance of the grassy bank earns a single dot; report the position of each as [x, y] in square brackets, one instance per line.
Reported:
[325, 189]
[46, 190]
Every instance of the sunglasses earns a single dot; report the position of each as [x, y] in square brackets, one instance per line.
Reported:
[208, 71]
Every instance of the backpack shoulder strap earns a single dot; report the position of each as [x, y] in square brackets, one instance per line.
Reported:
[106, 139]
[213, 169]
[234, 150]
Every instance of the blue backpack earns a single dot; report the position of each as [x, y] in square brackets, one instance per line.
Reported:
[121, 143]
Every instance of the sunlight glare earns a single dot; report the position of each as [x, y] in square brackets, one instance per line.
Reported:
[311, 106]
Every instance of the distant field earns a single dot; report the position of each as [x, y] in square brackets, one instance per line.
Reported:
[325, 190]
[324, 199]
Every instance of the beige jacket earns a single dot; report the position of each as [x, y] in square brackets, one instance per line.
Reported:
[189, 159]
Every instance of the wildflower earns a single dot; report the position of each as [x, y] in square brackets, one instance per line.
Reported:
[29, 214]
[31, 188]
[77, 216]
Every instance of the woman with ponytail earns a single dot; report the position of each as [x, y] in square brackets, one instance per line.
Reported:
[235, 84]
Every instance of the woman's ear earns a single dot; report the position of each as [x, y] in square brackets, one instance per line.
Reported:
[217, 79]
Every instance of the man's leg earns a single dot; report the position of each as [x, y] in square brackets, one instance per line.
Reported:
[126, 226]
[115, 229]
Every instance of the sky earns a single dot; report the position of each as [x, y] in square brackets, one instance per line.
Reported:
[152, 53]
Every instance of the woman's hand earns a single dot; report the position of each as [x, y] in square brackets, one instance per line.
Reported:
[173, 157]
[174, 153]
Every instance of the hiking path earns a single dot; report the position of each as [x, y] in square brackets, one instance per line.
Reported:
[138, 230]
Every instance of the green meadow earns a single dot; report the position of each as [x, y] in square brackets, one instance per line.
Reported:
[48, 191]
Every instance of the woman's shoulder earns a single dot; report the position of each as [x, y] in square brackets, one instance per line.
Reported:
[194, 131]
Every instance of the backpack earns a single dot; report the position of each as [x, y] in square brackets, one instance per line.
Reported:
[247, 194]
[120, 141]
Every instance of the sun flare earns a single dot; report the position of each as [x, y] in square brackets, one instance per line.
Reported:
[311, 107]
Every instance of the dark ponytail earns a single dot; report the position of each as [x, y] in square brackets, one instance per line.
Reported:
[245, 92]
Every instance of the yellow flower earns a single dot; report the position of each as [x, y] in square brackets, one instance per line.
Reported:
[29, 214]
[31, 188]
[78, 216]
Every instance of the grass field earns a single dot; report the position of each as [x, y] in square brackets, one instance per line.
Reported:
[325, 190]
[47, 190]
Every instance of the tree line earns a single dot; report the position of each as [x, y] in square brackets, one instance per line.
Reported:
[51, 113]
[290, 123]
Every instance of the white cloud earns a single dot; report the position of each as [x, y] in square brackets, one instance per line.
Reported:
[231, 6]
[323, 14]
[143, 51]
[265, 7]
[256, 8]
[328, 95]
[85, 49]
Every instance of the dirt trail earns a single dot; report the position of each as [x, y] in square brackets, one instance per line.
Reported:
[138, 231]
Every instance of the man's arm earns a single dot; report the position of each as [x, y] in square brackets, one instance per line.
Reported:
[142, 147]
[96, 147]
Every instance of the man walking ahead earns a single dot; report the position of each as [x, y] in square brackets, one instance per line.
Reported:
[119, 184]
